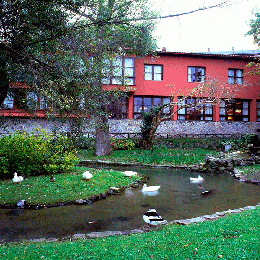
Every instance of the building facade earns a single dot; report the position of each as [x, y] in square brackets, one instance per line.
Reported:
[167, 77]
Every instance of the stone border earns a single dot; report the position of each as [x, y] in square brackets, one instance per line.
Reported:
[143, 229]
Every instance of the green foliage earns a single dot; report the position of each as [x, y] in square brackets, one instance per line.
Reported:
[31, 154]
[122, 144]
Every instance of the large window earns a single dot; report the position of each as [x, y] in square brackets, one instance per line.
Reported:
[121, 71]
[142, 104]
[234, 110]
[195, 109]
[258, 110]
[8, 102]
[117, 109]
[153, 72]
[196, 74]
[35, 102]
[235, 76]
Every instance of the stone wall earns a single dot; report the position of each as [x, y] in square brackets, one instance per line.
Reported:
[133, 126]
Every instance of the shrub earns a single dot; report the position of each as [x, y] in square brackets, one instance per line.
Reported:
[122, 144]
[31, 154]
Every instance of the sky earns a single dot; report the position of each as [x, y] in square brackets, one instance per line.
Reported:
[217, 29]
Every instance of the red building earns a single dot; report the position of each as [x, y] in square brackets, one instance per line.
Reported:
[158, 79]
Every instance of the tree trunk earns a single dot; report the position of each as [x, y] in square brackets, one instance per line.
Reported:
[4, 81]
[103, 146]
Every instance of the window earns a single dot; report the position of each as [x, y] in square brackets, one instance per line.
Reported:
[121, 70]
[258, 110]
[196, 74]
[35, 102]
[142, 104]
[117, 109]
[8, 102]
[195, 109]
[234, 110]
[235, 76]
[153, 72]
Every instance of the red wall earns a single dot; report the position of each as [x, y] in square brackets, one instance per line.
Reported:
[175, 77]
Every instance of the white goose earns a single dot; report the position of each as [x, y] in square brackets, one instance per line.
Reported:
[129, 173]
[199, 179]
[87, 175]
[150, 188]
[151, 217]
[17, 179]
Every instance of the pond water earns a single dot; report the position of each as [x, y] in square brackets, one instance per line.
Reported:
[176, 199]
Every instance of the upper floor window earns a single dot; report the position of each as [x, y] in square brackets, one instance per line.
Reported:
[153, 72]
[121, 71]
[235, 76]
[234, 110]
[195, 109]
[142, 104]
[196, 74]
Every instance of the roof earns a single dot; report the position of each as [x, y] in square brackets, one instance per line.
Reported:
[237, 55]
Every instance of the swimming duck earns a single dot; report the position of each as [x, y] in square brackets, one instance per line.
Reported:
[17, 179]
[129, 173]
[196, 180]
[87, 175]
[151, 217]
[150, 188]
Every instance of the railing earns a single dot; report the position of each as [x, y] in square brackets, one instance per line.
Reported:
[130, 135]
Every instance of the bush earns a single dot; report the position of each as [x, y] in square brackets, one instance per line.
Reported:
[30, 154]
[122, 144]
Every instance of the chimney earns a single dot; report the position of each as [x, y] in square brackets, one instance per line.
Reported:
[233, 49]
[163, 49]
[208, 49]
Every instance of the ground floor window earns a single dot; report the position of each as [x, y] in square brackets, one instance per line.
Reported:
[118, 108]
[8, 102]
[144, 103]
[194, 109]
[234, 110]
[258, 110]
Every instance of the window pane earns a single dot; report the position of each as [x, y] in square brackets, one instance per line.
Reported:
[116, 81]
[129, 81]
[208, 118]
[158, 77]
[245, 104]
[148, 76]
[117, 71]
[147, 103]
[129, 72]
[231, 81]
[231, 73]
[156, 101]
[239, 81]
[222, 111]
[245, 119]
[245, 112]
[117, 62]
[137, 104]
[258, 104]
[129, 62]
[181, 111]
[105, 81]
[181, 117]
[239, 73]
[158, 69]
[258, 112]
[148, 68]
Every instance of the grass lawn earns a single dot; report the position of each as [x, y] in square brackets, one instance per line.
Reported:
[251, 172]
[232, 237]
[154, 156]
[39, 190]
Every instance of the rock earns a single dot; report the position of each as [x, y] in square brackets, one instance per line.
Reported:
[21, 204]
[78, 236]
[80, 202]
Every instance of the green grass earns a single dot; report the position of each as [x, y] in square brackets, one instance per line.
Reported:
[232, 237]
[39, 190]
[154, 156]
[252, 171]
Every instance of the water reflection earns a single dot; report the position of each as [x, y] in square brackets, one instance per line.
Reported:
[176, 199]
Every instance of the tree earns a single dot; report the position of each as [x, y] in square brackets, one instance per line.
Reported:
[203, 97]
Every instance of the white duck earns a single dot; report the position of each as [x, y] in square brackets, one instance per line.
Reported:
[150, 188]
[87, 175]
[129, 173]
[199, 179]
[151, 217]
[17, 179]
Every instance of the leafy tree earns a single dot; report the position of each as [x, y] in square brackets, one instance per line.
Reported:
[212, 90]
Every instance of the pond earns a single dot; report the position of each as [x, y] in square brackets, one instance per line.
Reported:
[176, 199]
